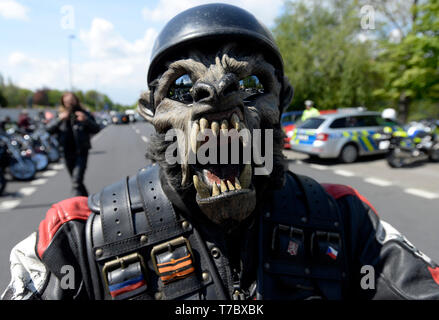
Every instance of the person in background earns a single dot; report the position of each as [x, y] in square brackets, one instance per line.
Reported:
[5, 124]
[24, 121]
[74, 126]
[310, 111]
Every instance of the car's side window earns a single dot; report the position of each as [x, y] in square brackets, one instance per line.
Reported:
[363, 121]
[352, 122]
[338, 123]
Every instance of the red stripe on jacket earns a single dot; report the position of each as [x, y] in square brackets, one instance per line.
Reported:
[338, 191]
[434, 274]
[70, 209]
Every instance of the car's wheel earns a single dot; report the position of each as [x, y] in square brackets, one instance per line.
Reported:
[349, 153]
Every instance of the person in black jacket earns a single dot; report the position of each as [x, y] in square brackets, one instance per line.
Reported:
[217, 231]
[74, 126]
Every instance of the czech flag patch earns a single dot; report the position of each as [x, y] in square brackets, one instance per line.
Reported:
[332, 253]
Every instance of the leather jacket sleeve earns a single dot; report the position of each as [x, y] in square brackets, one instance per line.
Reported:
[385, 265]
[51, 263]
[91, 124]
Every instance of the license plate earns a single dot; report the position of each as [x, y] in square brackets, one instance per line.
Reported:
[303, 137]
[384, 145]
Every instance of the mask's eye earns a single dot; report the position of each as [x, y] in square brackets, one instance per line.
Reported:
[251, 85]
[179, 90]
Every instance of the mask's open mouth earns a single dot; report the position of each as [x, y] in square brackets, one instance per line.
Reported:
[227, 175]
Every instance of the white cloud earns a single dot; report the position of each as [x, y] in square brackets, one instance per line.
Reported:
[105, 60]
[104, 42]
[35, 73]
[113, 65]
[11, 9]
[265, 11]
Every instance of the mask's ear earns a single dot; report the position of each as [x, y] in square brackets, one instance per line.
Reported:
[286, 95]
[144, 107]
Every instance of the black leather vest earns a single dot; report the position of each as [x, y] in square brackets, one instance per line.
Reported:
[140, 247]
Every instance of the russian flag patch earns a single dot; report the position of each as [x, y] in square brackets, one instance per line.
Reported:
[127, 286]
[332, 253]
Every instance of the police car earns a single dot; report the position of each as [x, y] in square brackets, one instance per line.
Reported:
[343, 135]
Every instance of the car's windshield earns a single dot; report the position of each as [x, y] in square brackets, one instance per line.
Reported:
[312, 123]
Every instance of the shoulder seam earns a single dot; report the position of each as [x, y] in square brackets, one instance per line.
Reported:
[59, 214]
[338, 191]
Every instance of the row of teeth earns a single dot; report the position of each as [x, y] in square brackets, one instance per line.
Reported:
[244, 182]
[215, 126]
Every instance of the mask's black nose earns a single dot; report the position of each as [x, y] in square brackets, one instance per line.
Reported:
[207, 92]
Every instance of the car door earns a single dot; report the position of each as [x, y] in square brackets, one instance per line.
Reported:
[362, 128]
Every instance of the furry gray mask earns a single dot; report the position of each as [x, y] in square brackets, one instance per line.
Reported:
[218, 104]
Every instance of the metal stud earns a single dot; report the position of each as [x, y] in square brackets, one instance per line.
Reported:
[266, 266]
[99, 252]
[143, 239]
[215, 252]
[185, 225]
[205, 276]
[158, 296]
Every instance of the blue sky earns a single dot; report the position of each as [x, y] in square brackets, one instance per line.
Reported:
[112, 45]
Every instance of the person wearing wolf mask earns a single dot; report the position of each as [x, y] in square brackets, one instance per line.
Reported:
[191, 229]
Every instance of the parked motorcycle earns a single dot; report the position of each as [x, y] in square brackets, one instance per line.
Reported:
[47, 144]
[3, 165]
[19, 165]
[419, 142]
[30, 148]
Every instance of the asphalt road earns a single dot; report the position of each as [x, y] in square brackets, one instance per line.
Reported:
[407, 198]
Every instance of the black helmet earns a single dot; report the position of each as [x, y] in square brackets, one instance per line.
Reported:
[209, 24]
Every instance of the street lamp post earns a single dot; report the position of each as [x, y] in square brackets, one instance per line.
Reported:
[70, 38]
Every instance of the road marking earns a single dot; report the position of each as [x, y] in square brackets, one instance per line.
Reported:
[145, 139]
[344, 173]
[58, 166]
[318, 167]
[49, 173]
[9, 204]
[27, 191]
[378, 182]
[38, 182]
[135, 129]
[422, 193]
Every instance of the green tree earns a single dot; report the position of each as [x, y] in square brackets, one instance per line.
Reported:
[54, 97]
[411, 66]
[323, 56]
[3, 101]
[15, 95]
